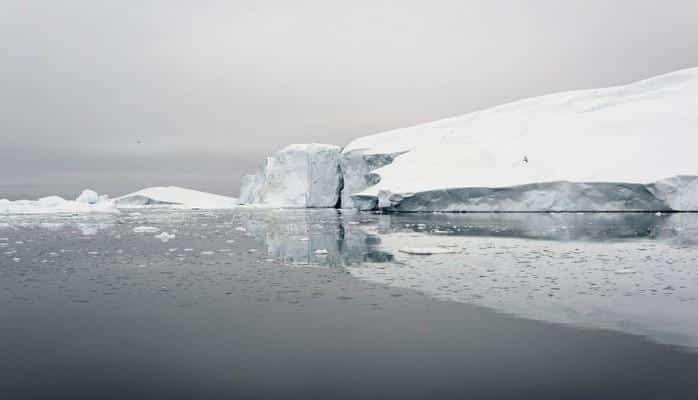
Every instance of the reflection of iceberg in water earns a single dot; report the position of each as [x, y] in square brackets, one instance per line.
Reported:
[86, 224]
[299, 237]
[634, 273]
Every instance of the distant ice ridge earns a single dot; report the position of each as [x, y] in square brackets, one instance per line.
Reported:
[299, 176]
[175, 197]
[88, 201]
[624, 148]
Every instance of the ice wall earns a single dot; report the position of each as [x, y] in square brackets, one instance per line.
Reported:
[300, 175]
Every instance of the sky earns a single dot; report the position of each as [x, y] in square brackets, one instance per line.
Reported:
[120, 95]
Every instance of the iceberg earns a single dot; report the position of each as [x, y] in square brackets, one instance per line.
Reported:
[623, 148]
[88, 201]
[175, 197]
[298, 176]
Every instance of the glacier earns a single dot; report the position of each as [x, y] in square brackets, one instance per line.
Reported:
[298, 176]
[622, 148]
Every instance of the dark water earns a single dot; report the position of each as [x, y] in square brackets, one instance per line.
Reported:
[240, 305]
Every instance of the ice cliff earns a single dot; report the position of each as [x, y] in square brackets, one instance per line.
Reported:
[623, 148]
[298, 176]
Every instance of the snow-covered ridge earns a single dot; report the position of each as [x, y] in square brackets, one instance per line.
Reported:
[623, 148]
[177, 197]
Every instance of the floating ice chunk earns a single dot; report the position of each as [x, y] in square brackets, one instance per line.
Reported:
[165, 237]
[146, 229]
[427, 251]
[625, 271]
[88, 197]
[321, 252]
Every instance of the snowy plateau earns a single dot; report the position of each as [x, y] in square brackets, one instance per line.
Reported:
[623, 148]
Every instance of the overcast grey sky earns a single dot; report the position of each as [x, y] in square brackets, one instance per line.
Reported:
[210, 87]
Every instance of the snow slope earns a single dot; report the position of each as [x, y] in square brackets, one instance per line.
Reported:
[88, 201]
[177, 197]
[565, 142]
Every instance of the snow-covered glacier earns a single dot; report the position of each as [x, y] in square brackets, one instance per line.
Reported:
[298, 176]
[623, 148]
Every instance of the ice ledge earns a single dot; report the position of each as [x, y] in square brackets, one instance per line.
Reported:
[679, 193]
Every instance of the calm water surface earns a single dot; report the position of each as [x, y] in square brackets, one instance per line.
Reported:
[306, 304]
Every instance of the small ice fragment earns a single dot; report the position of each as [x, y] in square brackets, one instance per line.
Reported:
[145, 229]
[240, 229]
[625, 271]
[658, 213]
[427, 251]
[164, 236]
[321, 252]
[230, 241]
[207, 253]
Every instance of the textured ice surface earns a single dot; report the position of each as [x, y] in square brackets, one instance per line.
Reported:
[357, 167]
[173, 196]
[306, 175]
[88, 201]
[552, 196]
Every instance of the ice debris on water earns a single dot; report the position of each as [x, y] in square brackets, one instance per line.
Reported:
[625, 271]
[165, 237]
[428, 251]
[145, 229]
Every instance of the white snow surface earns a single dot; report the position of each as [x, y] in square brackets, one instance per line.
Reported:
[175, 197]
[88, 201]
[638, 133]
[298, 176]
